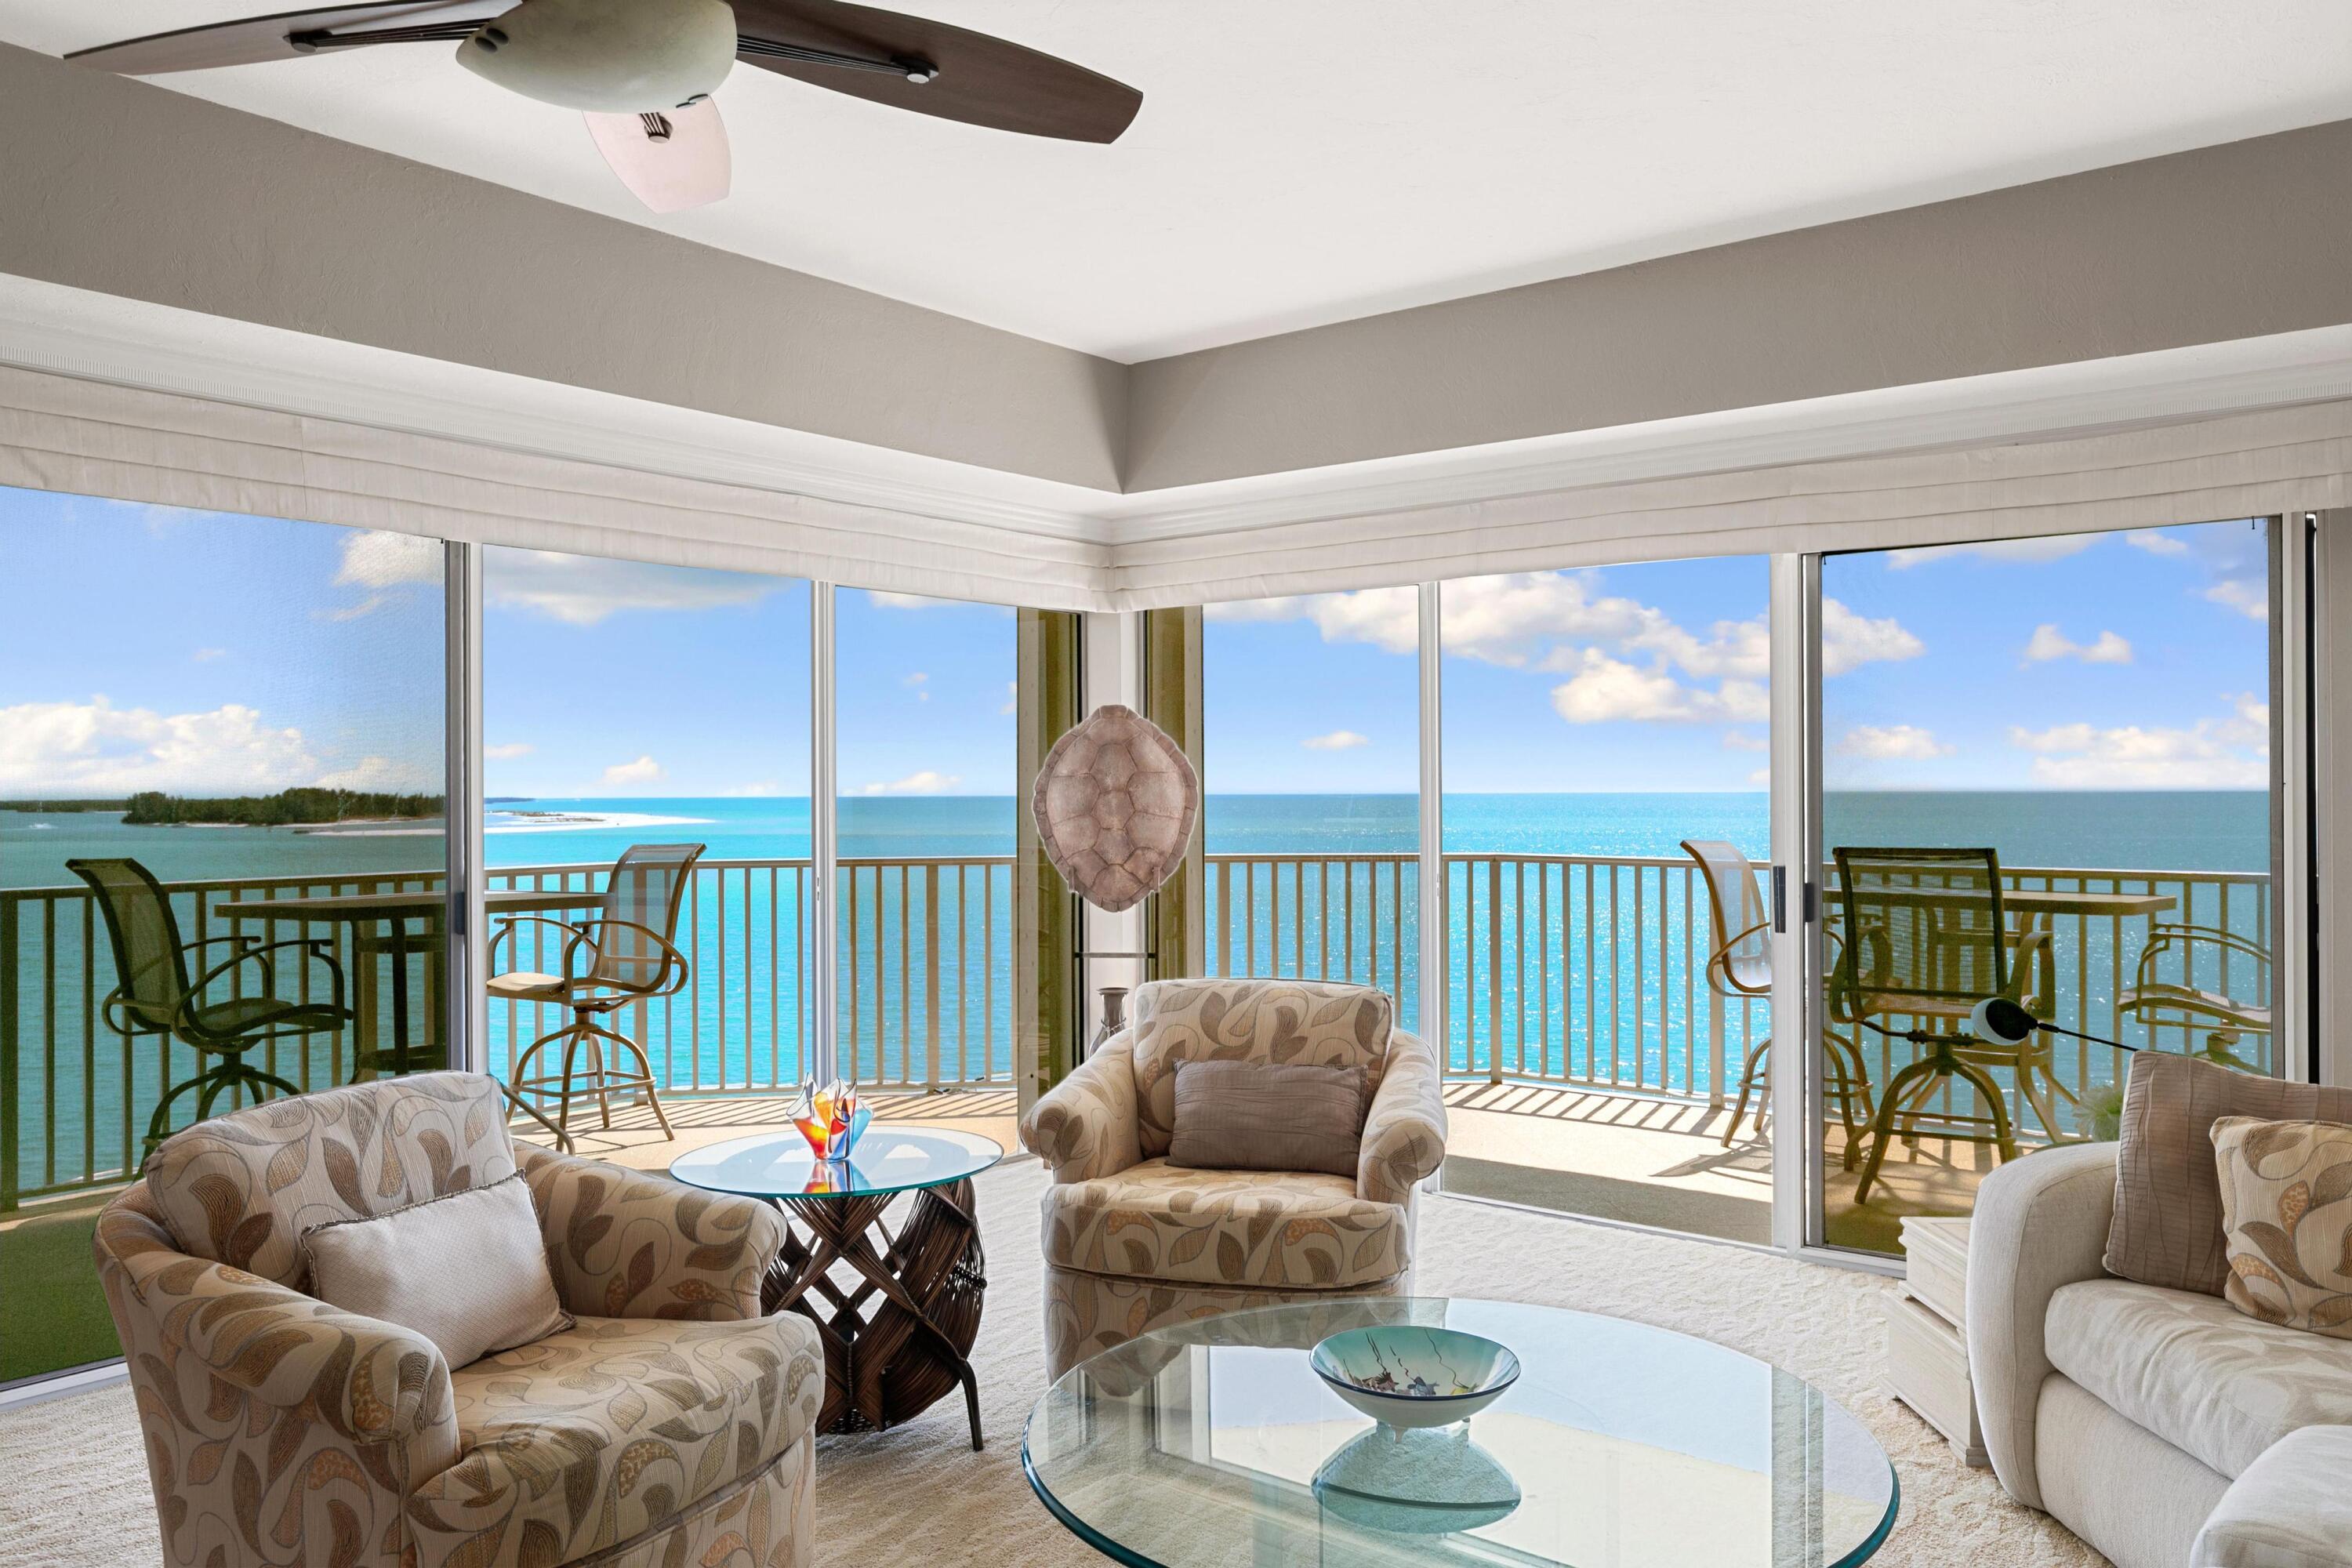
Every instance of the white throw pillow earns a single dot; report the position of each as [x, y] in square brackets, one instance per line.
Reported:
[468, 1270]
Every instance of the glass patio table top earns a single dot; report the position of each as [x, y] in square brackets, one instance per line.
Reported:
[1623, 1446]
[885, 1159]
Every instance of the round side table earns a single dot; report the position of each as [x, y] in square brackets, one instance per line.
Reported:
[896, 1336]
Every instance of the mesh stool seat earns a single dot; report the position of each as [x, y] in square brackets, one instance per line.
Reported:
[1740, 966]
[626, 953]
[155, 994]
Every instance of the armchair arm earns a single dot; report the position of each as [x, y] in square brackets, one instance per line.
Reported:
[583, 934]
[623, 1244]
[318, 947]
[2040, 1223]
[1405, 1131]
[1085, 1127]
[230, 1358]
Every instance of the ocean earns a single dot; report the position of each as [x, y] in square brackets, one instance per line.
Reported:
[1582, 968]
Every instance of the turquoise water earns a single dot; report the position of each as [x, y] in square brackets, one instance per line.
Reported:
[1564, 971]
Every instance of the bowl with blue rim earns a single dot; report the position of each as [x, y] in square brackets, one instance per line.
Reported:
[1412, 1375]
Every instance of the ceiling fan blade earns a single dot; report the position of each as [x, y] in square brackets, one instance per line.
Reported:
[979, 79]
[252, 39]
[671, 161]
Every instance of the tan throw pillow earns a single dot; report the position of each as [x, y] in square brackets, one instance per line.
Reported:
[2286, 1208]
[2167, 1224]
[468, 1271]
[1250, 1115]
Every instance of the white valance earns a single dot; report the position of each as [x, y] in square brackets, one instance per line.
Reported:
[2245, 465]
[89, 438]
[95, 438]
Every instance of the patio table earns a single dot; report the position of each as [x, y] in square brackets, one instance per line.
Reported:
[395, 910]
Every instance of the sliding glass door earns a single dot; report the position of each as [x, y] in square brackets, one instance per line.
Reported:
[2052, 783]
[208, 724]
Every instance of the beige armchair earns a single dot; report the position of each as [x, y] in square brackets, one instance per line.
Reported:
[671, 1424]
[1133, 1242]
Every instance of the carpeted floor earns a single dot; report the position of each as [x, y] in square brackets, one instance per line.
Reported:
[76, 1488]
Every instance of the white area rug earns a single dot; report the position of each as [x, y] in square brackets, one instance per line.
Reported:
[73, 1485]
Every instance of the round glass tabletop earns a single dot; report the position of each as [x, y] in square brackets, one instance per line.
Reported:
[887, 1159]
[1213, 1443]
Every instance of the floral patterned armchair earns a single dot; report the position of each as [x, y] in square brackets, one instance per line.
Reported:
[1133, 1242]
[671, 1424]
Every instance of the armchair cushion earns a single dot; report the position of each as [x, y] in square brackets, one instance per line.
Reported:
[1279, 1230]
[241, 1189]
[2207, 1379]
[2167, 1225]
[593, 1435]
[1085, 1126]
[1242, 1116]
[1264, 1021]
[2290, 1509]
[623, 1244]
[399, 1268]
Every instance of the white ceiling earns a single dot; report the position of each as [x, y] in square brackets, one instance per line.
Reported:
[1299, 161]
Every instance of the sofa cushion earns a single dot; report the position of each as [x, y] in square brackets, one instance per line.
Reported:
[2167, 1224]
[590, 1437]
[2291, 1508]
[241, 1189]
[2287, 1209]
[1254, 1230]
[2195, 1371]
[1266, 1021]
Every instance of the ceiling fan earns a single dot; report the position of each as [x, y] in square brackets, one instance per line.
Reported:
[643, 70]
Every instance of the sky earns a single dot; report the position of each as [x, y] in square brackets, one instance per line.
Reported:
[2087, 661]
[203, 653]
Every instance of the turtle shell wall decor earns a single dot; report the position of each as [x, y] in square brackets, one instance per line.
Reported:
[1115, 804]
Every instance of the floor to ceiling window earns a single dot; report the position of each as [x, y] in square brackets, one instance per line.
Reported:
[2080, 727]
[626, 704]
[200, 713]
[1311, 784]
[926, 702]
[1608, 984]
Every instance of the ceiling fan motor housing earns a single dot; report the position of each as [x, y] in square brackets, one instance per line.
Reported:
[613, 56]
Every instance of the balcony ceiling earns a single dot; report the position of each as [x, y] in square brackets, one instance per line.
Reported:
[1299, 161]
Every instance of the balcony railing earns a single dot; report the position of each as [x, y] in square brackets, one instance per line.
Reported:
[1573, 970]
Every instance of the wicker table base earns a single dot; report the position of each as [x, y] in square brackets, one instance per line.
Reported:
[897, 1334]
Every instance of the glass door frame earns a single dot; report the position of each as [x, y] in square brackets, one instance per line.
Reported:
[1799, 970]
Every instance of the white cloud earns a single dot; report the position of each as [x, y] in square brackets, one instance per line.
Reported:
[2155, 543]
[383, 775]
[207, 655]
[882, 601]
[644, 770]
[1741, 740]
[928, 781]
[1337, 741]
[1012, 697]
[583, 590]
[1760, 776]
[1605, 689]
[508, 752]
[97, 749]
[916, 683]
[2230, 752]
[375, 559]
[2251, 599]
[760, 789]
[2049, 547]
[1906, 742]
[2048, 643]
[1849, 641]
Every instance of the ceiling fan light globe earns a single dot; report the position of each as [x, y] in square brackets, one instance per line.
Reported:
[610, 57]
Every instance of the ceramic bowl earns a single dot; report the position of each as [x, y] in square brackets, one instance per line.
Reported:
[1409, 1377]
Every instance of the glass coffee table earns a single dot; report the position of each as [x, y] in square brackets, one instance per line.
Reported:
[897, 1332]
[1621, 1444]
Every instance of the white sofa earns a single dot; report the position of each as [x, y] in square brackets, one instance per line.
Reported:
[2164, 1427]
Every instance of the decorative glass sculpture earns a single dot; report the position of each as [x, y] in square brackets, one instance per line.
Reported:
[831, 1118]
